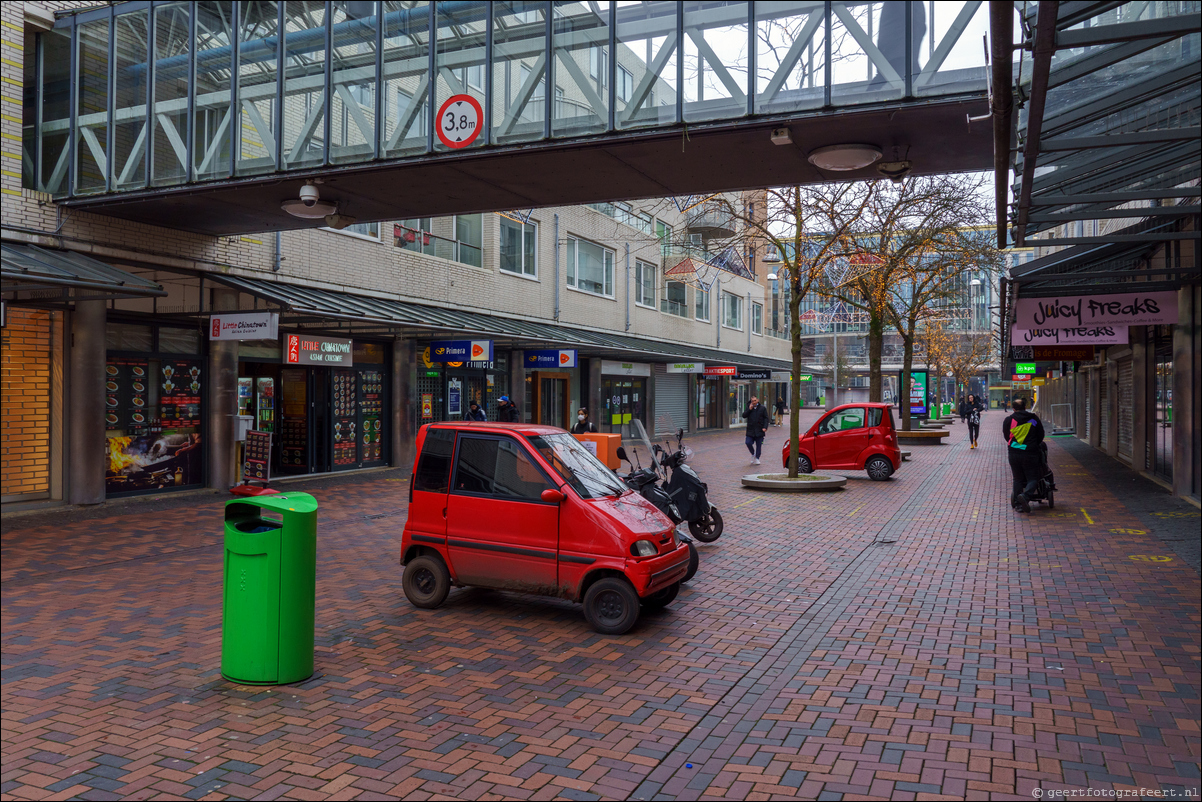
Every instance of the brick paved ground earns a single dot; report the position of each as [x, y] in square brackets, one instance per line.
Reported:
[981, 653]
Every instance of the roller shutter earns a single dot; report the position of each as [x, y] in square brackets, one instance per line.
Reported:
[1088, 407]
[1126, 391]
[671, 401]
[1104, 409]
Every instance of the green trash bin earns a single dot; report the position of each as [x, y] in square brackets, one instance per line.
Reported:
[270, 589]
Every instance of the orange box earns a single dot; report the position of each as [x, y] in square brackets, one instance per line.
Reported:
[606, 447]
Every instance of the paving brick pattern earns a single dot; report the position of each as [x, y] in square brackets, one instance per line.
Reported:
[980, 654]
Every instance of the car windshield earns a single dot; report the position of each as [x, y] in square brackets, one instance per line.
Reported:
[587, 475]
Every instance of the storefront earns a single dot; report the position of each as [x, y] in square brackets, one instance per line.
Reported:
[154, 407]
[324, 400]
[624, 396]
[447, 386]
[553, 389]
[673, 388]
[707, 402]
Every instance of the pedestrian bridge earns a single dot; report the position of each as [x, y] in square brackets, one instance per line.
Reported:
[205, 116]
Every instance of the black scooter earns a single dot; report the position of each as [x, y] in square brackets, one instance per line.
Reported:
[645, 482]
[686, 489]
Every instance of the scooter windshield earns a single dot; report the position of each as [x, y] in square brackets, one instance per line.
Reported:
[587, 475]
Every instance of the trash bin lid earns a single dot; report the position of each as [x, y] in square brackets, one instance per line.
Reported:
[284, 502]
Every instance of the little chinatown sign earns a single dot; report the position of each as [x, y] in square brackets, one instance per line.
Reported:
[1078, 311]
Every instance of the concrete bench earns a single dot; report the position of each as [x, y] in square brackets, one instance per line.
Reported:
[923, 437]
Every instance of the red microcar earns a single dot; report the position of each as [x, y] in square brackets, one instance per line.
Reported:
[527, 508]
[851, 437]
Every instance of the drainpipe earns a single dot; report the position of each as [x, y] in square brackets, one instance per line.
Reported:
[556, 235]
[716, 283]
[628, 286]
[275, 257]
[749, 322]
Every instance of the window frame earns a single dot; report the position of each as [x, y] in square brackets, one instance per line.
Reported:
[459, 243]
[462, 437]
[831, 416]
[532, 224]
[344, 232]
[571, 269]
[684, 305]
[757, 318]
[738, 306]
[642, 269]
[698, 294]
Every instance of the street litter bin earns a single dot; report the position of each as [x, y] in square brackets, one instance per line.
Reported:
[270, 589]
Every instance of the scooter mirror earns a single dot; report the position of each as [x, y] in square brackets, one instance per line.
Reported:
[621, 452]
[679, 433]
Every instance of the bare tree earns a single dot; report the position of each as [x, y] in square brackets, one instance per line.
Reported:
[972, 351]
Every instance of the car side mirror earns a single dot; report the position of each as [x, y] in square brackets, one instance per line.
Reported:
[552, 496]
[621, 452]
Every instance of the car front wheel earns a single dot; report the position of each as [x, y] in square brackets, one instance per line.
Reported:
[879, 469]
[803, 464]
[611, 606]
[426, 582]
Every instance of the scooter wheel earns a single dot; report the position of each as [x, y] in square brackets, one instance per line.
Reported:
[1051, 500]
[694, 562]
[707, 529]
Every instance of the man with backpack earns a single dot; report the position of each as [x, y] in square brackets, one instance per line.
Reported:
[1024, 433]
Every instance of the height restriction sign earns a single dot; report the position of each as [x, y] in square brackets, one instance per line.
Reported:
[459, 121]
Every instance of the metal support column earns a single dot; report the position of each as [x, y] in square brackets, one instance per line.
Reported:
[223, 398]
[85, 419]
[517, 380]
[404, 402]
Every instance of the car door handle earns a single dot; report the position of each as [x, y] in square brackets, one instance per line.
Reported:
[444, 512]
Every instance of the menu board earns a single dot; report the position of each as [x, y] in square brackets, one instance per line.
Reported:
[179, 399]
[345, 406]
[371, 404]
[256, 459]
[126, 395]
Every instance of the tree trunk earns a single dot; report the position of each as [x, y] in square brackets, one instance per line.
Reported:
[876, 342]
[904, 389]
[795, 377]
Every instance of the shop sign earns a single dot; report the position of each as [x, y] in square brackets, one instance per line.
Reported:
[550, 358]
[686, 367]
[1084, 335]
[454, 397]
[1024, 367]
[754, 374]
[1038, 382]
[427, 405]
[1020, 377]
[305, 349]
[256, 463]
[461, 351]
[1052, 353]
[245, 326]
[1076, 311]
[615, 368]
[786, 376]
[717, 370]
[918, 392]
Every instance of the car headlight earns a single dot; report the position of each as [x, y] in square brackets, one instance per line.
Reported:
[644, 548]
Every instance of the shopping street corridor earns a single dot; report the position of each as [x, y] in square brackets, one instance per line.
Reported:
[897, 640]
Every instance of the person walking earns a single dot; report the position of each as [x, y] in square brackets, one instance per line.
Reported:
[780, 411]
[583, 424]
[962, 408]
[1024, 433]
[507, 410]
[757, 426]
[475, 413]
[971, 411]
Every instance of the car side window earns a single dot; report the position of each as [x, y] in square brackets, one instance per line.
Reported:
[874, 416]
[495, 466]
[842, 420]
[434, 467]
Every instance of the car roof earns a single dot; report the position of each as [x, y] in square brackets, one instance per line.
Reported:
[517, 428]
[864, 404]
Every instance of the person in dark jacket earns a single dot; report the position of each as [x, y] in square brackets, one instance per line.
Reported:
[971, 409]
[1024, 433]
[507, 410]
[583, 424]
[758, 422]
[780, 411]
[475, 413]
[962, 408]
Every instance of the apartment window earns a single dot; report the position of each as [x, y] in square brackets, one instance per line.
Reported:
[732, 311]
[625, 84]
[469, 239]
[644, 284]
[675, 300]
[757, 318]
[519, 243]
[473, 76]
[590, 267]
[371, 230]
[663, 232]
[701, 305]
[414, 235]
[598, 65]
[420, 124]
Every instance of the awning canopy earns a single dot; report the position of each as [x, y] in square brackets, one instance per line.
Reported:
[307, 303]
[30, 275]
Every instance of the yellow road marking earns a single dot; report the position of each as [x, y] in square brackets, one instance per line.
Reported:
[745, 503]
[1150, 558]
[853, 512]
[1086, 514]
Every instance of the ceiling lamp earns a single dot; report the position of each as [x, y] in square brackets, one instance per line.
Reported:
[844, 158]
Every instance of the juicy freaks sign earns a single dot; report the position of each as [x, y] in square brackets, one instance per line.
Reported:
[550, 358]
[245, 326]
[305, 349]
[1125, 309]
[1082, 335]
[461, 351]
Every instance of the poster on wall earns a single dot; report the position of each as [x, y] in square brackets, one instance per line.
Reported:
[371, 407]
[427, 406]
[346, 429]
[454, 397]
[917, 393]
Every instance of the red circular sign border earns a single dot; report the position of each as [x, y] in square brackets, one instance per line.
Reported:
[442, 109]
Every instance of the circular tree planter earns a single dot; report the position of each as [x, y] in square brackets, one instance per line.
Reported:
[805, 483]
[922, 437]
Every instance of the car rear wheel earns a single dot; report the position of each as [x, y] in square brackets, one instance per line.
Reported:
[611, 606]
[663, 598]
[879, 469]
[694, 562]
[426, 582]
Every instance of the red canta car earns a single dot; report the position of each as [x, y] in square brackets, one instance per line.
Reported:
[527, 508]
[851, 437]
